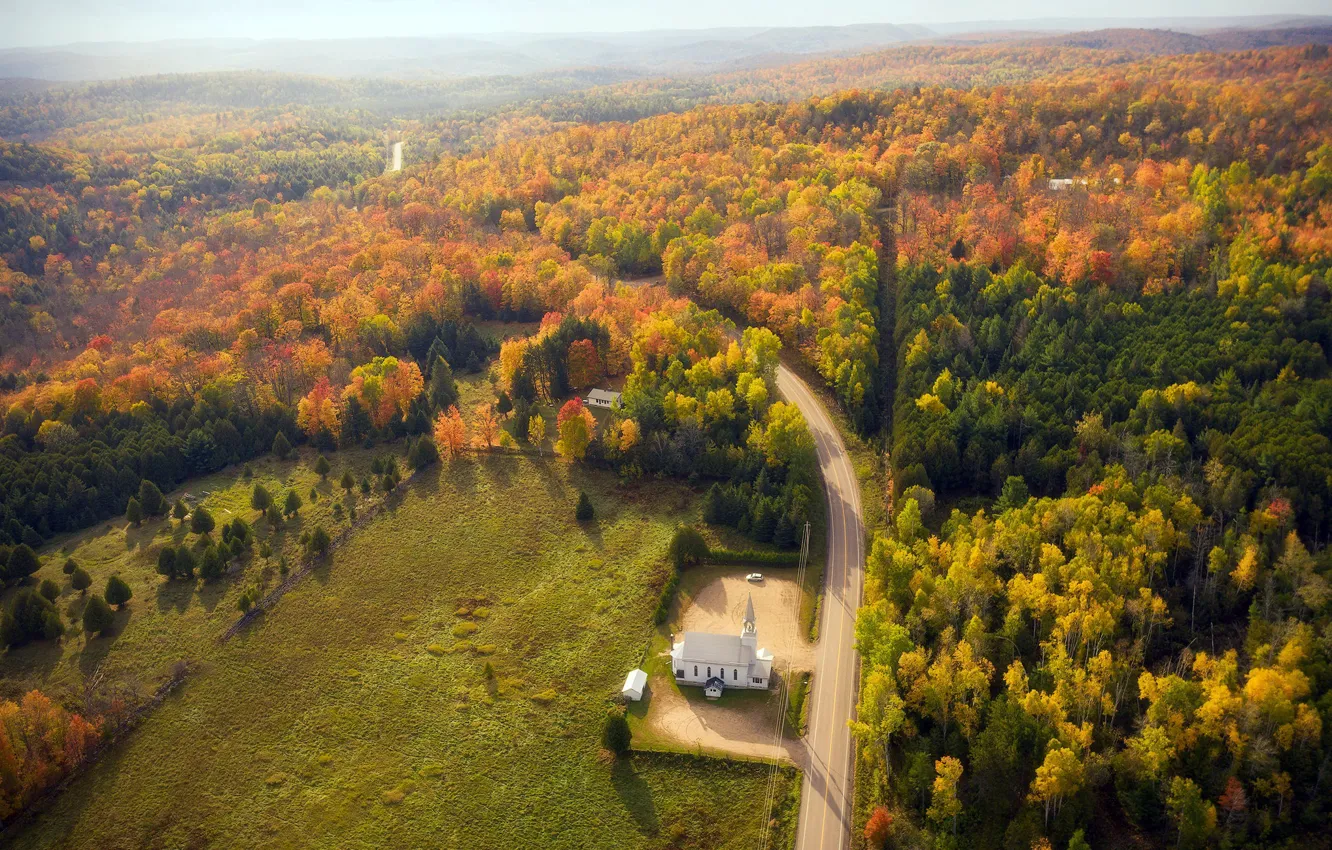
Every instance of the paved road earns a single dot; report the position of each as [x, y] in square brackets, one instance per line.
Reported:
[825, 802]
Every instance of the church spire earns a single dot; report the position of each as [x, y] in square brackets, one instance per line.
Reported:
[749, 624]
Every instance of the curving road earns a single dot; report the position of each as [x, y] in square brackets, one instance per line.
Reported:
[826, 797]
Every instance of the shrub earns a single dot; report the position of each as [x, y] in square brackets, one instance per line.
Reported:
[879, 827]
[201, 521]
[70, 566]
[615, 734]
[22, 563]
[185, 563]
[97, 616]
[687, 547]
[49, 589]
[319, 541]
[80, 580]
[29, 616]
[281, 446]
[166, 562]
[117, 591]
[322, 467]
[584, 511]
[133, 512]
[179, 512]
[423, 454]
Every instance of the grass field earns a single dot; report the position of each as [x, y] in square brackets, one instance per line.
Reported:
[359, 712]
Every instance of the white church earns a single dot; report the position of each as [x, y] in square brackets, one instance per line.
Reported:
[717, 662]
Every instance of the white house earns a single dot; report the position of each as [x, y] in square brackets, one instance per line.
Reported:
[601, 398]
[634, 685]
[714, 662]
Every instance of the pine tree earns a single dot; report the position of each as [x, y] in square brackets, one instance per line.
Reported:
[133, 512]
[151, 499]
[584, 511]
[322, 467]
[442, 390]
[117, 591]
[201, 521]
[260, 498]
[22, 563]
[615, 735]
[179, 512]
[281, 446]
[293, 503]
[97, 615]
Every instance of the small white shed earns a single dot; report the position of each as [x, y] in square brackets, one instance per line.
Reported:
[634, 685]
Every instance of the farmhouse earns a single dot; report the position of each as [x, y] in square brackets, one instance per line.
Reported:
[714, 662]
[601, 398]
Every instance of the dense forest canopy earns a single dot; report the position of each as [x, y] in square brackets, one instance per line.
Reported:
[1079, 297]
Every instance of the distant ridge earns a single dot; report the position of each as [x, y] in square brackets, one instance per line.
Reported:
[655, 52]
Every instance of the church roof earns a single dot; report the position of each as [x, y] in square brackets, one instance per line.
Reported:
[716, 649]
[749, 609]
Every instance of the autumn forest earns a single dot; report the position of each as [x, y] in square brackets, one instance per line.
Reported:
[1074, 302]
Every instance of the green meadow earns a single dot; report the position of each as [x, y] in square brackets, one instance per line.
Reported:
[441, 681]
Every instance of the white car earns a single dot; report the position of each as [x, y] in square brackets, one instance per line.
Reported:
[755, 577]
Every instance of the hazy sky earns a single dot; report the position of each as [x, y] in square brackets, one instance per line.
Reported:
[47, 22]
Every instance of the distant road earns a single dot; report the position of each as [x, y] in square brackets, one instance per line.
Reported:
[825, 801]
[396, 165]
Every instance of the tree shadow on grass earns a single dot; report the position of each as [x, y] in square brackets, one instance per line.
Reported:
[174, 594]
[211, 593]
[635, 795]
[96, 647]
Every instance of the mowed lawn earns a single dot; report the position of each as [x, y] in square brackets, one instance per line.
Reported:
[359, 712]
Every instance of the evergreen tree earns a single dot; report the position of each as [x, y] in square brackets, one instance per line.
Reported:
[133, 512]
[584, 511]
[97, 616]
[260, 498]
[322, 467]
[70, 566]
[293, 503]
[151, 500]
[117, 591]
[319, 541]
[22, 563]
[185, 563]
[201, 521]
[29, 616]
[442, 390]
[348, 482]
[80, 580]
[281, 446]
[211, 565]
[166, 562]
[615, 734]
[179, 511]
[49, 589]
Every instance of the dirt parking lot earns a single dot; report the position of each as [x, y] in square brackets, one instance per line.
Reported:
[743, 723]
[713, 600]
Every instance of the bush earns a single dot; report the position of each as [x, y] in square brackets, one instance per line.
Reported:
[80, 580]
[615, 735]
[133, 512]
[423, 454]
[117, 591]
[50, 590]
[97, 616]
[281, 446]
[687, 547]
[584, 512]
[166, 562]
[752, 556]
[201, 521]
[29, 616]
[70, 566]
[22, 563]
[319, 541]
[179, 512]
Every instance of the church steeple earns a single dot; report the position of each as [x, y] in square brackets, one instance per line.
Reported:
[750, 627]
